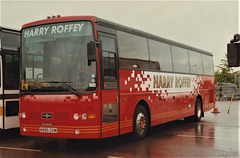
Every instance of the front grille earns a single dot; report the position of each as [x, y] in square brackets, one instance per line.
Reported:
[47, 116]
[57, 116]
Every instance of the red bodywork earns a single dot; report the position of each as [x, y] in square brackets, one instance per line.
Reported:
[163, 106]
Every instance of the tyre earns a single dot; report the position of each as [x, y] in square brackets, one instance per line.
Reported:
[140, 122]
[198, 110]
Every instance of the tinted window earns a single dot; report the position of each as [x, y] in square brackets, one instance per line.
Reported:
[109, 62]
[196, 66]
[109, 65]
[180, 60]
[10, 41]
[161, 58]
[108, 44]
[207, 65]
[133, 51]
[11, 72]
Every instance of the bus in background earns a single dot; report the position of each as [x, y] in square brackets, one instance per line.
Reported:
[85, 77]
[9, 78]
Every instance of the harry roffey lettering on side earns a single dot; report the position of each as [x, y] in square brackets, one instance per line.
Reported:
[160, 81]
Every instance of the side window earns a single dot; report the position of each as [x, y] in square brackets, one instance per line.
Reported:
[109, 62]
[11, 72]
[196, 66]
[180, 59]
[133, 51]
[207, 65]
[10, 41]
[161, 58]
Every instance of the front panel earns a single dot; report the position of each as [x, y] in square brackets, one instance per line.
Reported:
[65, 116]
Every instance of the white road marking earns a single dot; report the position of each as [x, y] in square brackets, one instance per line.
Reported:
[206, 137]
[196, 136]
[23, 149]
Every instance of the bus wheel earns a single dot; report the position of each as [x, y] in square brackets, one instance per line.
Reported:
[198, 110]
[140, 122]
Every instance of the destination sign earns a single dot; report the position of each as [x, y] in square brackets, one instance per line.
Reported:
[54, 29]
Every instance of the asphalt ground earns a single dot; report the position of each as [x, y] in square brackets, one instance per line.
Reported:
[216, 135]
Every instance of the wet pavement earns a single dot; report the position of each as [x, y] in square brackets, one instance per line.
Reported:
[217, 135]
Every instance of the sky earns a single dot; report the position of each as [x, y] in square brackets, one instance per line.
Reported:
[207, 25]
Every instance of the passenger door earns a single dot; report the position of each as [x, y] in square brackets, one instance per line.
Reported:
[11, 90]
[109, 85]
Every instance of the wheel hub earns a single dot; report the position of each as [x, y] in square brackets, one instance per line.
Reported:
[199, 110]
[141, 123]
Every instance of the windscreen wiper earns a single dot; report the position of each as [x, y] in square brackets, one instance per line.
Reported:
[74, 91]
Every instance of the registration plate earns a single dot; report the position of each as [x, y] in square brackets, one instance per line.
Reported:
[47, 130]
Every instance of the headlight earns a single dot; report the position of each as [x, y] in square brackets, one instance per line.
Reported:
[23, 115]
[76, 116]
[24, 129]
[84, 116]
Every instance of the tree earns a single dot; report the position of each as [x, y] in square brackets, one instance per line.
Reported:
[225, 74]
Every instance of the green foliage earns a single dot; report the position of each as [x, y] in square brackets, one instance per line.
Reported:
[225, 74]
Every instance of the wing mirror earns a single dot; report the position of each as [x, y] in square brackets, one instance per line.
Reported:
[91, 52]
[233, 52]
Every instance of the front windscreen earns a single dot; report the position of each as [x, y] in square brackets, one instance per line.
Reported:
[55, 55]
